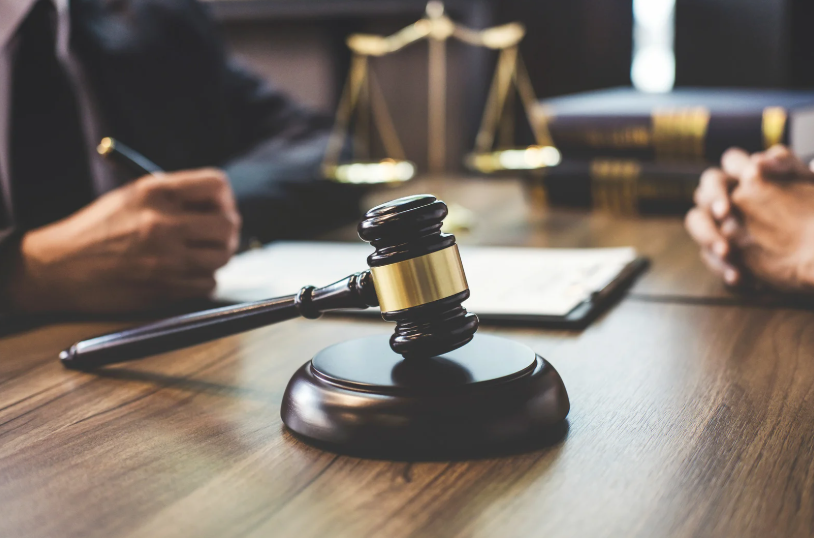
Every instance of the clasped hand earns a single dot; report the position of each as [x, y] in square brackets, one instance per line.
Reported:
[154, 241]
[754, 220]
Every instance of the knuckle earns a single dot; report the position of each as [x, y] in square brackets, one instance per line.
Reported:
[151, 224]
[698, 196]
[217, 177]
[217, 259]
[780, 151]
[731, 153]
[763, 165]
[147, 188]
[222, 259]
[235, 220]
[712, 177]
[208, 284]
[215, 173]
[221, 227]
[743, 194]
[152, 265]
[693, 225]
[752, 174]
[202, 284]
[154, 226]
[688, 218]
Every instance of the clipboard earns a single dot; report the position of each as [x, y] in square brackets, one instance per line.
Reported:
[560, 288]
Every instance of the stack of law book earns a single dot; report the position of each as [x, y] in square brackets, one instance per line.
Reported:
[629, 151]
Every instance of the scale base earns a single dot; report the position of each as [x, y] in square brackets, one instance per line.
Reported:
[360, 397]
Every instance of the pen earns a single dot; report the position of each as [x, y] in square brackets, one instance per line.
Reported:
[113, 149]
[110, 148]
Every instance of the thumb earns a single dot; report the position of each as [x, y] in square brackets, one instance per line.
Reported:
[735, 162]
[779, 162]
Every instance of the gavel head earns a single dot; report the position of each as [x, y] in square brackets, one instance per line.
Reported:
[418, 276]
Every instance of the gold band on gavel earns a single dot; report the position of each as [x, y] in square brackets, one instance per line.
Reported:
[419, 280]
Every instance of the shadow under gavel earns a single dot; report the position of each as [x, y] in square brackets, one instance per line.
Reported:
[420, 285]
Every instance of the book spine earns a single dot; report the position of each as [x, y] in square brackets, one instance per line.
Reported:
[623, 186]
[676, 134]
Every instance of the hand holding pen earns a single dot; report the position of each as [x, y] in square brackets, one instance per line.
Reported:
[153, 241]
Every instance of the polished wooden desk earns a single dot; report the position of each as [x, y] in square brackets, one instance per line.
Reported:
[687, 420]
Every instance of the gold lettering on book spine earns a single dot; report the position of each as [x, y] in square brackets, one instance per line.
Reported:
[614, 185]
[680, 133]
[630, 137]
[774, 125]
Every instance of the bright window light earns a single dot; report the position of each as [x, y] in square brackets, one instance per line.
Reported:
[653, 13]
[653, 70]
[653, 67]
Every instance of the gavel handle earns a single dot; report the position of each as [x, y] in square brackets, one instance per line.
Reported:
[355, 291]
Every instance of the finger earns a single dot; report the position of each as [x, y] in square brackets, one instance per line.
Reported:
[750, 197]
[205, 261]
[180, 263]
[713, 192]
[731, 229]
[205, 186]
[735, 162]
[703, 230]
[202, 188]
[736, 234]
[779, 162]
[731, 275]
[210, 229]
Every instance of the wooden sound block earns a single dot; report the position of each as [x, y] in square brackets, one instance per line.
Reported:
[361, 397]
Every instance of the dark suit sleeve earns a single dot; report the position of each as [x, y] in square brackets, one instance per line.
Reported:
[170, 88]
[9, 254]
[277, 179]
[275, 166]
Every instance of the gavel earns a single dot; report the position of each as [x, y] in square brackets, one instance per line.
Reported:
[415, 275]
[421, 389]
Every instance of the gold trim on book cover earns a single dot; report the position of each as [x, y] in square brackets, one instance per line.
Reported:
[774, 125]
[619, 186]
[614, 185]
[680, 133]
[629, 137]
[419, 280]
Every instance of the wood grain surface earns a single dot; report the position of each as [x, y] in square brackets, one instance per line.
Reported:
[687, 420]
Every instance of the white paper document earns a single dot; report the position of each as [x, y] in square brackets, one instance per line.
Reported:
[503, 281]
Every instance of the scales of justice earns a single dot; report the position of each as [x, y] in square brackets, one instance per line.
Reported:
[363, 99]
[432, 387]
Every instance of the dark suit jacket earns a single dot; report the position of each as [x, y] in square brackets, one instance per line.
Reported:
[165, 85]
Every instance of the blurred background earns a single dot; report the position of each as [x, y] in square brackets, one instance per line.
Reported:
[574, 46]
[299, 45]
